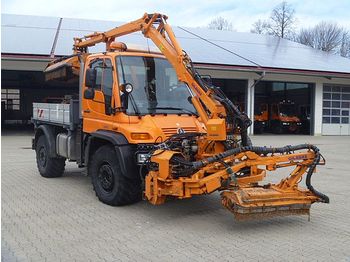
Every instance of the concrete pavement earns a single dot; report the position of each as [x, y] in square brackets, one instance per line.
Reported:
[60, 219]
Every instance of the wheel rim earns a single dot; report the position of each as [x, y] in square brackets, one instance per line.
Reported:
[42, 156]
[106, 177]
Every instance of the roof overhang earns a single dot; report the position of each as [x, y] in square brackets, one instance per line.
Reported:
[24, 62]
[31, 62]
[271, 70]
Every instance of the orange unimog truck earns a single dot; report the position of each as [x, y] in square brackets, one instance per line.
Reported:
[284, 118]
[146, 125]
[261, 118]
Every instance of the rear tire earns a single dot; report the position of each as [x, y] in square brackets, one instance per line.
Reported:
[110, 185]
[48, 167]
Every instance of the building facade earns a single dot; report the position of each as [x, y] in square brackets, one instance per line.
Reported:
[261, 74]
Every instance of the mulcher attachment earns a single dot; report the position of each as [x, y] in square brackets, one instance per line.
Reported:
[238, 173]
[246, 199]
[259, 202]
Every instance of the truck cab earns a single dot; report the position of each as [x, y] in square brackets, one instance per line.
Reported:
[261, 117]
[284, 117]
[137, 95]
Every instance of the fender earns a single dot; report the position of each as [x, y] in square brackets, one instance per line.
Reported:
[125, 151]
[50, 138]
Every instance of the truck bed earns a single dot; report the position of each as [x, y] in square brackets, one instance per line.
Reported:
[66, 115]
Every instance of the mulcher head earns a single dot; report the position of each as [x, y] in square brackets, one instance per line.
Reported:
[259, 202]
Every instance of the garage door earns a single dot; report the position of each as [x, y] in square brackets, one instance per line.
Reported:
[336, 108]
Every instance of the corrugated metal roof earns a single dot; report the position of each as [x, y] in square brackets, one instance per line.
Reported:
[268, 51]
[23, 34]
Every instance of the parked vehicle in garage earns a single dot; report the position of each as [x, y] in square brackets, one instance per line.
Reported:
[261, 118]
[284, 118]
[146, 123]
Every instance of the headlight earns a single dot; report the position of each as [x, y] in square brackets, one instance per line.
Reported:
[299, 124]
[128, 88]
[285, 123]
[142, 158]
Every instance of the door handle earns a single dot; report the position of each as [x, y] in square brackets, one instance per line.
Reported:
[87, 111]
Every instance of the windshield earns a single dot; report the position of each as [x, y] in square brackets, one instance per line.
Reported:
[156, 89]
[287, 110]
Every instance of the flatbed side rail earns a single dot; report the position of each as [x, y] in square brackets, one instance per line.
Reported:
[66, 115]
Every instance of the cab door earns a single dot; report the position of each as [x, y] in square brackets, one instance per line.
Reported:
[97, 112]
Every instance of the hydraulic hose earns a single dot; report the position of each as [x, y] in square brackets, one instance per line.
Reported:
[311, 171]
[245, 122]
[233, 111]
[264, 151]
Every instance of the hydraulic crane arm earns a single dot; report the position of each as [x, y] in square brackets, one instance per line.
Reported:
[155, 27]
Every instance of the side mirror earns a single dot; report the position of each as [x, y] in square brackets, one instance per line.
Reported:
[126, 89]
[190, 99]
[89, 93]
[90, 77]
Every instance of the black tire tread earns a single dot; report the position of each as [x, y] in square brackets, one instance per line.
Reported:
[55, 166]
[127, 191]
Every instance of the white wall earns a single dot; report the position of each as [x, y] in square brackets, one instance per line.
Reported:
[318, 107]
[252, 77]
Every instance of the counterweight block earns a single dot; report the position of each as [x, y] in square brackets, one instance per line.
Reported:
[259, 202]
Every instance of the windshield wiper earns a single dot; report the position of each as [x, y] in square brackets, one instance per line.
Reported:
[174, 108]
[133, 103]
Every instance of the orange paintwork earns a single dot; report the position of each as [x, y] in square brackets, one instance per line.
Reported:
[94, 117]
[277, 116]
[264, 116]
[160, 185]
[285, 118]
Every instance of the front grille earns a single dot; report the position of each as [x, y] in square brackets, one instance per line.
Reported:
[170, 131]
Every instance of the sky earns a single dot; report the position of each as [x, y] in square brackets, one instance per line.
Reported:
[192, 13]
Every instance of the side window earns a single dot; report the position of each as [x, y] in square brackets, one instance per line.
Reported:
[107, 84]
[107, 78]
[98, 65]
[104, 80]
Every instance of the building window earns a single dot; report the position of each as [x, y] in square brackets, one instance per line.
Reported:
[336, 104]
[11, 99]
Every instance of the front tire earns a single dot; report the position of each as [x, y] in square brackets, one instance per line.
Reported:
[110, 185]
[48, 167]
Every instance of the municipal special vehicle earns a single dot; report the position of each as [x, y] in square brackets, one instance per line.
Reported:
[146, 125]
